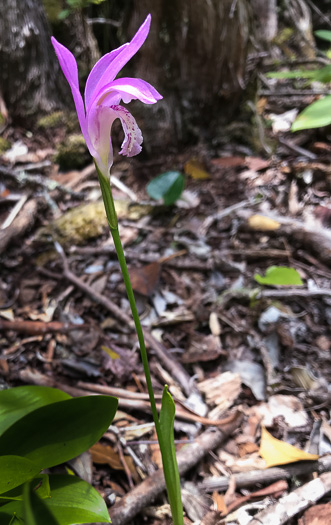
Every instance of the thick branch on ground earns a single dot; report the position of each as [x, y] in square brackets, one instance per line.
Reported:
[269, 475]
[20, 225]
[295, 502]
[145, 493]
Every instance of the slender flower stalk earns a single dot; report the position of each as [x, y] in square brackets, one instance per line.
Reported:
[96, 114]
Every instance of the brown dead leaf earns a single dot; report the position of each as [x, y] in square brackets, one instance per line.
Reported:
[317, 515]
[229, 162]
[144, 280]
[276, 452]
[275, 490]
[220, 504]
[247, 448]
[256, 163]
[203, 348]
[106, 455]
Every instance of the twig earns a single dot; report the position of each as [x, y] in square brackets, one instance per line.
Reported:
[290, 505]
[297, 149]
[136, 500]
[269, 475]
[293, 292]
[14, 212]
[39, 327]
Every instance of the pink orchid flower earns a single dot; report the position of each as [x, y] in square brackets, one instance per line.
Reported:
[103, 95]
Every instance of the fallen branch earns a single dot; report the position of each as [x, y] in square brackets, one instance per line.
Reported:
[145, 493]
[24, 220]
[269, 475]
[295, 502]
[39, 327]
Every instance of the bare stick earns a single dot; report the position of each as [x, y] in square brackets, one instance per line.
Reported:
[295, 502]
[269, 475]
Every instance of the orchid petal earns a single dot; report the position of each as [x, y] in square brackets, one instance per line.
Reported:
[111, 68]
[98, 70]
[128, 89]
[100, 120]
[69, 67]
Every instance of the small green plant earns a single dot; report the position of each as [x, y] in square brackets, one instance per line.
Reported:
[317, 114]
[40, 428]
[167, 186]
[279, 276]
[77, 5]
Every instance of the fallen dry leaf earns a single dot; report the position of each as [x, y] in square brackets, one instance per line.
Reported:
[196, 170]
[144, 280]
[263, 224]
[276, 452]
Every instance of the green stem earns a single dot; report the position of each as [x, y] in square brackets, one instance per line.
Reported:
[113, 225]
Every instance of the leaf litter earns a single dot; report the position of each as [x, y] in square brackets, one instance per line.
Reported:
[225, 344]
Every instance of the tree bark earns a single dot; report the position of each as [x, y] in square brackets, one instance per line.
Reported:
[29, 74]
[196, 56]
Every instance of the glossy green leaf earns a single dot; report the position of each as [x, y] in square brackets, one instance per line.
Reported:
[168, 186]
[324, 34]
[55, 433]
[316, 115]
[35, 512]
[15, 470]
[279, 276]
[72, 501]
[19, 401]
[170, 467]
[40, 484]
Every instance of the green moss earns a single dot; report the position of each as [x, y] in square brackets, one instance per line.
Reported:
[53, 8]
[284, 36]
[72, 153]
[4, 145]
[53, 120]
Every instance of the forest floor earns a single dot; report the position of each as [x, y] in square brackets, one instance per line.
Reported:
[245, 362]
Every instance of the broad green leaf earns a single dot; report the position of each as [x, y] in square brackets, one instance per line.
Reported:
[55, 433]
[316, 115]
[21, 400]
[168, 452]
[324, 34]
[35, 511]
[279, 276]
[15, 470]
[167, 186]
[72, 501]
[39, 483]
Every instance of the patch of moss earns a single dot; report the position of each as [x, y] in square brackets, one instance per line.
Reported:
[53, 120]
[53, 8]
[72, 153]
[4, 145]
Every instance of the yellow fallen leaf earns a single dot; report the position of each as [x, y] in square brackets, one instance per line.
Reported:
[261, 223]
[194, 168]
[112, 354]
[276, 452]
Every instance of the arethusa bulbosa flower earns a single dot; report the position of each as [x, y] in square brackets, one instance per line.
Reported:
[103, 96]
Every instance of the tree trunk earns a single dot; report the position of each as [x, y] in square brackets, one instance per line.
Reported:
[29, 73]
[195, 55]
